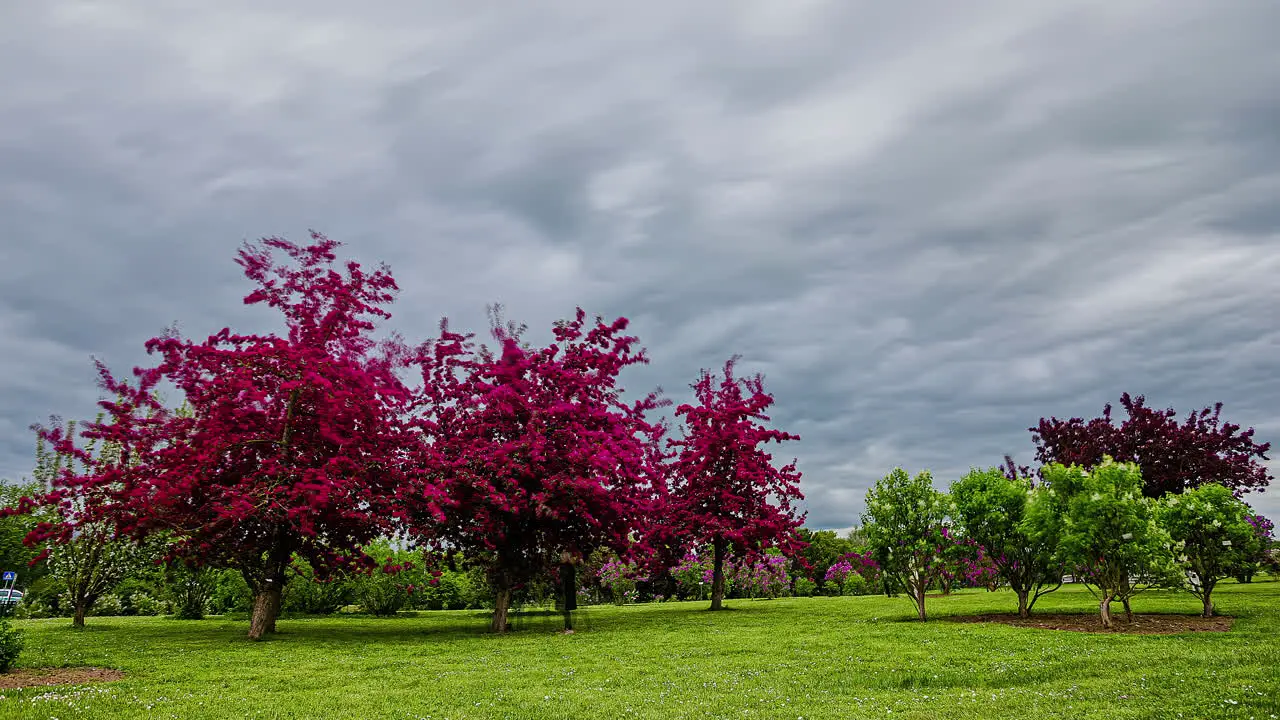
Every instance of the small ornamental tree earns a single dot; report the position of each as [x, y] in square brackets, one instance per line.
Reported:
[1212, 527]
[1173, 456]
[905, 523]
[536, 449]
[1106, 530]
[89, 562]
[726, 491]
[288, 444]
[990, 506]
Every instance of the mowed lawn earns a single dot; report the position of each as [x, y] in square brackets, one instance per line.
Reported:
[809, 658]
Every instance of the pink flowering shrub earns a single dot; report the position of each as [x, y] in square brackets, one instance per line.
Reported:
[691, 573]
[620, 580]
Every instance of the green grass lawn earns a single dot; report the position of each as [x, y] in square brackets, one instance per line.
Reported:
[795, 658]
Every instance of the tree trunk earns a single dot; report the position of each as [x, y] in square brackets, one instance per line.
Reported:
[82, 609]
[1128, 611]
[266, 608]
[1208, 601]
[717, 575]
[1104, 610]
[1023, 609]
[501, 605]
[920, 602]
[268, 592]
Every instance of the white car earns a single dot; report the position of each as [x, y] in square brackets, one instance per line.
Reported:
[9, 598]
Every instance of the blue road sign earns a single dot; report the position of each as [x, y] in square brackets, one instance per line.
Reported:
[8, 575]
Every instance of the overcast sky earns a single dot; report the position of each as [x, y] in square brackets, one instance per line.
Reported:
[928, 223]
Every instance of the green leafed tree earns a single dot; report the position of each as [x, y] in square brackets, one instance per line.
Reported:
[15, 555]
[1107, 530]
[1215, 535]
[905, 524]
[990, 506]
[90, 561]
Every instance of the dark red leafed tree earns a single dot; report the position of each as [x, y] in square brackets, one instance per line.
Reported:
[286, 445]
[1173, 455]
[726, 491]
[539, 452]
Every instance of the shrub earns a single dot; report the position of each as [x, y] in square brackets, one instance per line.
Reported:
[381, 592]
[449, 591]
[11, 642]
[107, 606]
[138, 597]
[230, 593]
[188, 590]
[859, 585]
[307, 595]
[805, 587]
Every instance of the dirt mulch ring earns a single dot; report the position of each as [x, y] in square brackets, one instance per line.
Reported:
[35, 677]
[1141, 625]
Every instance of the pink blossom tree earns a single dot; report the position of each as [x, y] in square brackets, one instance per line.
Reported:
[535, 448]
[290, 444]
[726, 491]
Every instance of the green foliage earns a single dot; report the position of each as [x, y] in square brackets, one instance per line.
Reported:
[805, 587]
[141, 594]
[905, 525]
[1107, 530]
[380, 593]
[11, 643]
[230, 593]
[189, 589]
[990, 508]
[306, 595]
[824, 548]
[451, 591]
[855, 584]
[1212, 529]
[14, 555]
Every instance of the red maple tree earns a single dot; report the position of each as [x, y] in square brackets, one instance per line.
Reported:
[1173, 455]
[285, 445]
[536, 450]
[726, 491]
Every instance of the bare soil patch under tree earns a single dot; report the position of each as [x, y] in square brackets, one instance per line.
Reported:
[1153, 624]
[35, 677]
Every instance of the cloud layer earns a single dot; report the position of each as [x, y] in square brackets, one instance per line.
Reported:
[928, 224]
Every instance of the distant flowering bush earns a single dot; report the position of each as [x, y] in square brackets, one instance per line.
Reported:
[838, 574]
[692, 573]
[620, 578]
[761, 576]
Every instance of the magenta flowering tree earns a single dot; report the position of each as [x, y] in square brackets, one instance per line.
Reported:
[535, 449]
[289, 444]
[726, 491]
